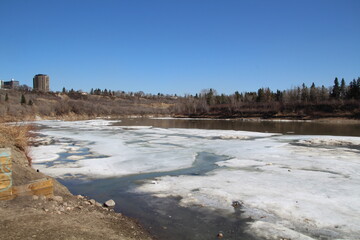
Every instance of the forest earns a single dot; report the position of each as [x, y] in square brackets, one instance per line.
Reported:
[339, 100]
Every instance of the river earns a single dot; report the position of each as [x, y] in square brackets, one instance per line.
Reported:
[191, 179]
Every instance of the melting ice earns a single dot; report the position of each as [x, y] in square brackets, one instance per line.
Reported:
[294, 187]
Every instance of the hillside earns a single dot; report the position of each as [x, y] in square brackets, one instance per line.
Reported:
[338, 101]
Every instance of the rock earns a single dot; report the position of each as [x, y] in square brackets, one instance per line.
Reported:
[98, 204]
[87, 203]
[237, 204]
[42, 198]
[80, 197]
[220, 235]
[35, 197]
[62, 209]
[109, 203]
[58, 199]
[92, 201]
[45, 209]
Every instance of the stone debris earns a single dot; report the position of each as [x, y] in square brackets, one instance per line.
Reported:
[109, 203]
[58, 199]
[42, 198]
[92, 201]
[80, 197]
[34, 197]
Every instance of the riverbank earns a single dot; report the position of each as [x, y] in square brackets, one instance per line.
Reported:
[64, 216]
[79, 117]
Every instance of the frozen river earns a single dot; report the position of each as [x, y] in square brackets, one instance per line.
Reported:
[181, 178]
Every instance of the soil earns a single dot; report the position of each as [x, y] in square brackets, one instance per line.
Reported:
[64, 216]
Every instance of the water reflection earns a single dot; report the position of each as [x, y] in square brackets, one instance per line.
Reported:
[300, 128]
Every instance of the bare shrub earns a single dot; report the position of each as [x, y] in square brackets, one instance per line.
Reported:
[16, 135]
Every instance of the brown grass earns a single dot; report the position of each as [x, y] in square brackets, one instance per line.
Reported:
[16, 135]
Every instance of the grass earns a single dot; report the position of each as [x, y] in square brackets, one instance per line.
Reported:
[16, 135]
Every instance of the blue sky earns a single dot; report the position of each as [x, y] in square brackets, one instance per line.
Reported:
[180, 46]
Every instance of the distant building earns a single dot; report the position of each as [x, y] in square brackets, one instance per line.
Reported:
[1, 84]
[12, 84]
[41, 83]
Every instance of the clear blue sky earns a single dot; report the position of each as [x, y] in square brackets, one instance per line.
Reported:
[180, 46]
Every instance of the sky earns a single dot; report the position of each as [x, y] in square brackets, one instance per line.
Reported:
[180, 46]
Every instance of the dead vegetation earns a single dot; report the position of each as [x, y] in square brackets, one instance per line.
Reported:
[62, 105]
[16, 135]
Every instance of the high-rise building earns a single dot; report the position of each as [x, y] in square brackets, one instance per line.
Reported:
[12, 84]
[41, 82]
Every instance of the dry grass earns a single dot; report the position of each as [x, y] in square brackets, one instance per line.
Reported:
[16, 135]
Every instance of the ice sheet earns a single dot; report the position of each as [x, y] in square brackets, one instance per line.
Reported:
[292, 186]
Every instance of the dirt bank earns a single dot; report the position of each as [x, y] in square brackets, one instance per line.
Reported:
[62, 217]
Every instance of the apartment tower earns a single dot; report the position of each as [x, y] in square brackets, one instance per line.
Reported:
[41, 83]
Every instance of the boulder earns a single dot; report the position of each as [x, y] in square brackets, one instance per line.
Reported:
[109, 203]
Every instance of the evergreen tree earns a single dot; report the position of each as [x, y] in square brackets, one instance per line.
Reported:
[354, 89]
[313, 94]
[30, 102]
[92, 91]
[343, 89]
[237, 96]
[209, 96]
[23, 100]
[324, 94]
[6, 97]
[279, 96]
[336, 89]
[64, 90]
[304, 93]
[260, 95]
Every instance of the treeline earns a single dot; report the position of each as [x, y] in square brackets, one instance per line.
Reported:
[340, 100]
[122, 94]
